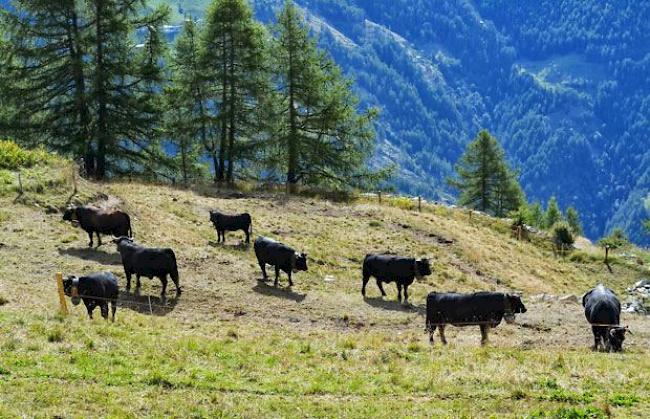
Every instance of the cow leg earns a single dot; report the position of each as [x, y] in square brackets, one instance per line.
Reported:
[263, 267]
[431, 332]
[90, 235]
[104, 308]
[383, 293]
[113, 308]
[406, 294]
[163, 280]
[399, 292]
[363, 287]
[128, 279]
[277, 276]
[443, 339]
[99, 239]
[484, 333]
[137, 282]
[90, 306]
[248, 235]
[290, 281]
[597, 338]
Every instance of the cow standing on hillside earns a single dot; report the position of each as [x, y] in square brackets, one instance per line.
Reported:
[483, 309]
[98, 221]
[389, 268]
[147, 262]
[603, 312]
[96, 290]
[224, 222]
[281, 256]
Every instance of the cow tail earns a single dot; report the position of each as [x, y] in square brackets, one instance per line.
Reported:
[250, 228]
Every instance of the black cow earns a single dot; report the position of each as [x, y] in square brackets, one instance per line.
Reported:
[389, 268]
[279, 255]
[100, 221]
[147, 262]
[484, 309]
[224, 222]
[603, 312]
[96, 290]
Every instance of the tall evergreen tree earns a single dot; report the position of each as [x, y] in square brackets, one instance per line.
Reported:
[82, 84]
[553, 213]
[573, 219]
[187, 119]
[484, 179]
[323, 138]
[536, 215]
[233, 55]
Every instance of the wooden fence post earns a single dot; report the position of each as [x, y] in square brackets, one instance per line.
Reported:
[379, 195]
[62, 302]
[419, 204]
[20, 183]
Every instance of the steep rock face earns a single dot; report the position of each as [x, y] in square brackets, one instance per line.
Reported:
[565, 87]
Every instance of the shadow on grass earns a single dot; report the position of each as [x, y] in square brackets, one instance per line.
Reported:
[94, 254]
[286, 293]
[152, 305]
[394, 305]
[241, 246]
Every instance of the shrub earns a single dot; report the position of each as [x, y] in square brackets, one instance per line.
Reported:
[615, 240]
[562, 235]
[14, 157]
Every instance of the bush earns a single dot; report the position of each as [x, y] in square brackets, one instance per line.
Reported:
[615, 240]
[562, 235]
[14, 157]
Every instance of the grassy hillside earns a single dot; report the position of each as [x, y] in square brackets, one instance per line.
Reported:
[232, 345]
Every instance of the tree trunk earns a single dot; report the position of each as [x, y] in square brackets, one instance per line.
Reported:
[100, 87]
[292, 178]
[224, 125]
[231, 113]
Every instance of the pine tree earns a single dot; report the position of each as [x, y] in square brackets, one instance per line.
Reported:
[573, 219]
[187, 115]
[323, 139]
[484, 179]
[536, 215]
[81, 85]
[233, 55]
[553, 213]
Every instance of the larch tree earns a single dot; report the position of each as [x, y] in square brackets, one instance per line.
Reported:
[484, 179]
[323, 138]
[81, 83]
[573, 219]
[233, 55]
[553, 213]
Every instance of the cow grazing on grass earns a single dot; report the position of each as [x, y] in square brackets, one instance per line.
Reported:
[279, 255]
[96, 290]
[484, 309]
[224, 222]
[603, 312]
[389, 268]
[99, 221]
[147, 262]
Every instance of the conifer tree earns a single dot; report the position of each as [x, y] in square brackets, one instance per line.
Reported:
[233, 56]
[484, 179]
[80, 82]
[536, 215]
[573, 219]
[553, 213]
[323, 139]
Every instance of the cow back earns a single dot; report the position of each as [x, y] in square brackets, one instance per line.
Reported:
[465, 309]
[389, 267]
[273, 252]
[102, 285]
[602, 306]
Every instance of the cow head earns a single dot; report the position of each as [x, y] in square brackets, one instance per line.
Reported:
[513, 305]
[71, 289]
[422, 268]
[119, 241]
[70, 214]
[300, 263]
[213, 216]
[616, 336]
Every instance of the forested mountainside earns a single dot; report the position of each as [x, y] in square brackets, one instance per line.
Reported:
[564, 86]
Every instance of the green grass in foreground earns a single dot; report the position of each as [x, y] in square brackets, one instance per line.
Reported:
[143, 366]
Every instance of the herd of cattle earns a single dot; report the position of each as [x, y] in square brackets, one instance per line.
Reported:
[483, 309]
